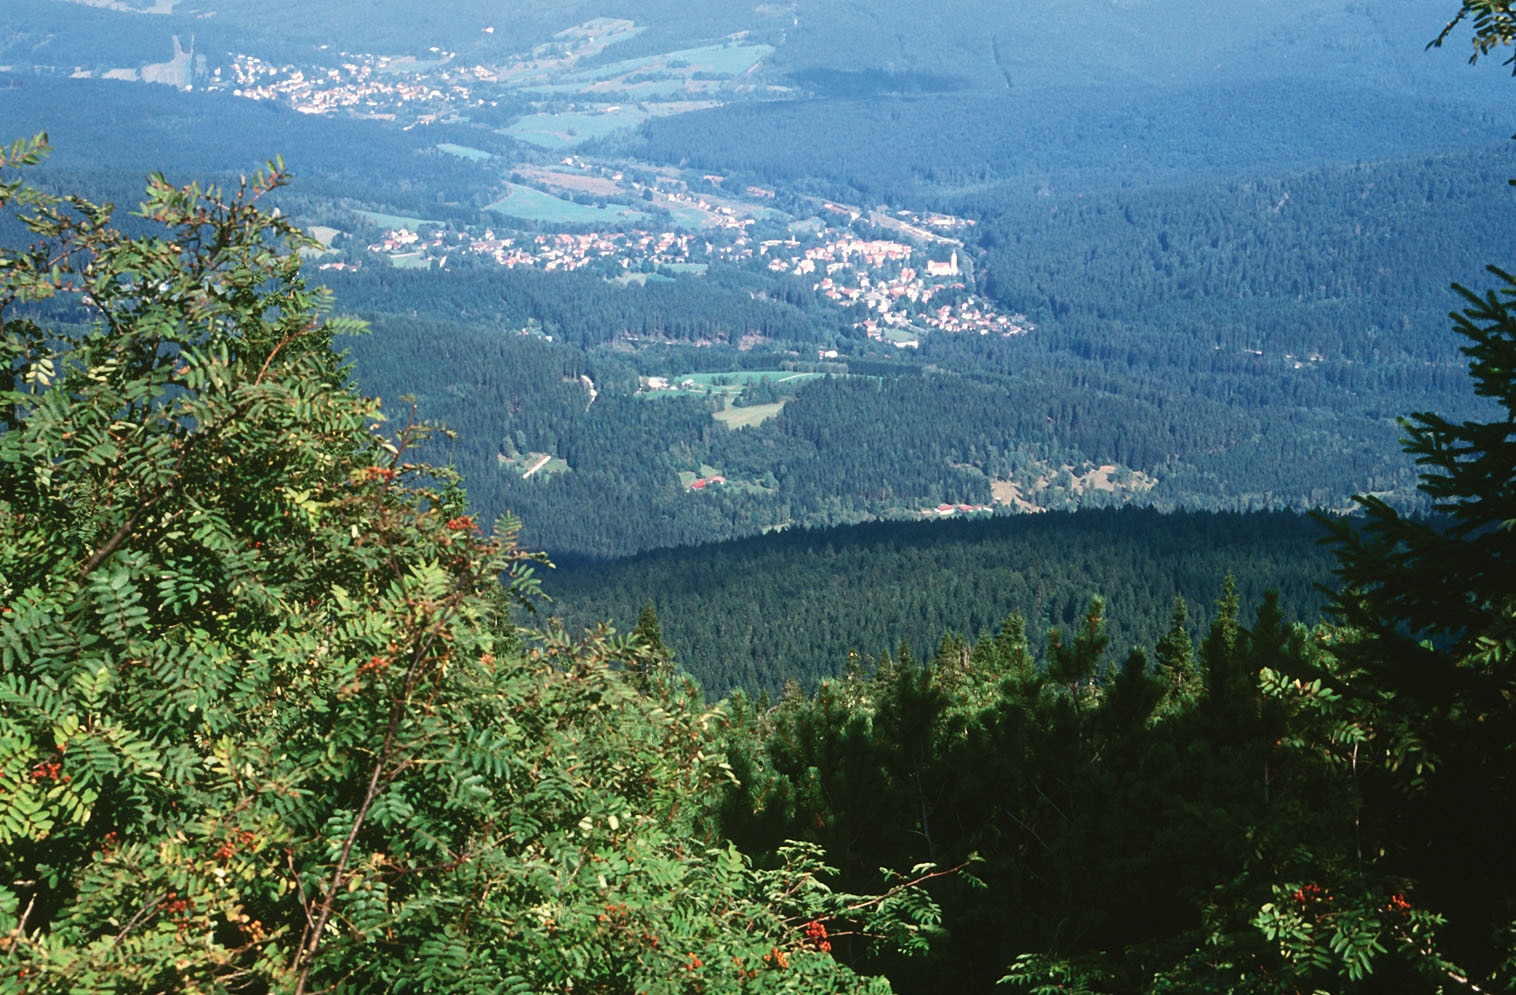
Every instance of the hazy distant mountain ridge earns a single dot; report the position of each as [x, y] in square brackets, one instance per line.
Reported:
[956, 43]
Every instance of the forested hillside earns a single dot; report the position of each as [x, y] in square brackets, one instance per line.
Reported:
[805, 605]
[1057, 142]
[1224, 259]
[1226, 346]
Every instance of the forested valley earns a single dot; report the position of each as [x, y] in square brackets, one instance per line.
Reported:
[1229, 346]
[264, 672]
[410, 583]
[1228, 286]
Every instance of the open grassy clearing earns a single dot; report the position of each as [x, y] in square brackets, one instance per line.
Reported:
[534, 464]
[757, 414]
[552, 89]
[670, 107]
[464, 152]
[647, 90]
[899, 336]
[392, 220]
[726, 60]
[324, 234]
[535, 205]
[721, 60]
[572, 180]
[641, 279]
[689, 217]
[646, 63]
[742, 377]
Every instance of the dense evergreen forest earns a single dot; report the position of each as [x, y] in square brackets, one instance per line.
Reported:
[1056, 142]
[800, 605]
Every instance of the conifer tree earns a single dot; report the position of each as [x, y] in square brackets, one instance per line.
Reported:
[651, 668]
[1422, 680]
[1176, 659]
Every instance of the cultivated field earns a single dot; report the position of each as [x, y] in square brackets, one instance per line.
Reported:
[599, 186]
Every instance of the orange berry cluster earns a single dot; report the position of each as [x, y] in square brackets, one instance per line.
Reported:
[1311, 893]
[375, 662]
[49, 771]
[815, 932]
[228, 848]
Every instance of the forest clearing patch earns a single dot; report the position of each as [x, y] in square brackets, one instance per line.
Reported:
[600, 186]
[755, 414]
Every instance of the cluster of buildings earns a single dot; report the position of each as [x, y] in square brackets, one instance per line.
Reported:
[974, 315]
[435, 87]
[369, 85]
[549, 252]
[879, 276]
[720, 215]
[890, 280]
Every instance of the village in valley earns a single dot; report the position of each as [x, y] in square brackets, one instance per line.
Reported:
[913, 284]
[564, 77]
[903, 272]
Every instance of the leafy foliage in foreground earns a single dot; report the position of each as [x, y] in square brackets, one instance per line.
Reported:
[264, 723]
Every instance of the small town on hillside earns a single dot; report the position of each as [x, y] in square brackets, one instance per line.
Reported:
[368, 85]
[438, 87]
[901, 289]
[900, 270]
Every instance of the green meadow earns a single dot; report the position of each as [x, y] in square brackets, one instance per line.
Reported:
[534, 205]
[392, 220]
[749, 416]
[722, 60]
[464, 152]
